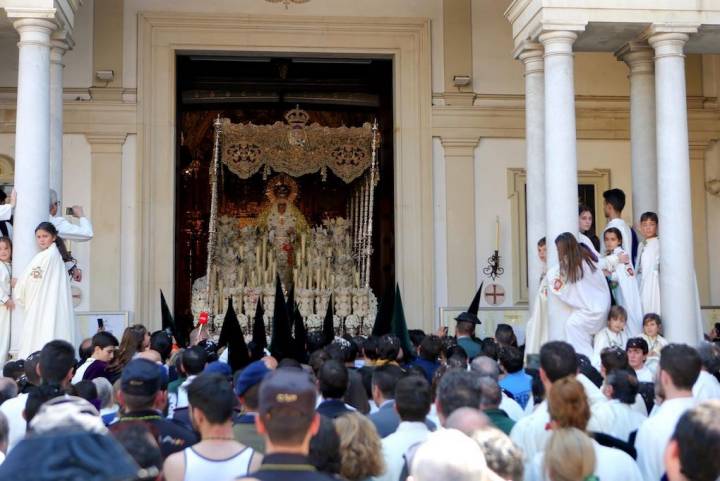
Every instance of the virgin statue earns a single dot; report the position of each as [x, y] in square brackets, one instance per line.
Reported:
[282, 224]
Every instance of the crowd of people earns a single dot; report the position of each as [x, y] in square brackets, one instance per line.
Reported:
[360, 408]
[615, 402]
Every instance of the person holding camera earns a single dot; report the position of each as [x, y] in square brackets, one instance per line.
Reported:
[81, 232]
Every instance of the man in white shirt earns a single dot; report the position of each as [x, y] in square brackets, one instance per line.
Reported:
[614, 203]
[637, 350]
[412, 403]
[616, 417]
[679, 369]
[557, 360]
[692, 453]
[707, 386]
[80, 232]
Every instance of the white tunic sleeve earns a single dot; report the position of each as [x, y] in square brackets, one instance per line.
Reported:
[69, 231]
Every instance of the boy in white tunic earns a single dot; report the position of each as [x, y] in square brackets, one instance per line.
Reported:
[648, 264]
[707, 386]
[537, 325]
[613, 335]
[6, 302]
[637, 351]
[613, 207]
[616, 416]
[679, 369]
[621, 277]
[652, 325]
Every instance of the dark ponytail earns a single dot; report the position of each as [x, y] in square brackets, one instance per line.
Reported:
[52, 230]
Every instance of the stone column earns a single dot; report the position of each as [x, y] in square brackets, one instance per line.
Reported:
[532, 58]
[677, 276]
[561, 199]
[59, 45]
[32, 143]
[460, 205]
[106, 215]
[639, 58]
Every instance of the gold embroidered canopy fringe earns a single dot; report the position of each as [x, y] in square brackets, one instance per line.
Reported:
[296, 148]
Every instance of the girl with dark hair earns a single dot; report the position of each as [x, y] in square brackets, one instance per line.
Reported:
[44, 292]
[582, 293]
[587, 233]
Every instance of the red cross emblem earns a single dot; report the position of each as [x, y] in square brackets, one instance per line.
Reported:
[494, 294]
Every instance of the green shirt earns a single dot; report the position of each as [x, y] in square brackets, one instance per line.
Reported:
[500, 419]
[471, 347]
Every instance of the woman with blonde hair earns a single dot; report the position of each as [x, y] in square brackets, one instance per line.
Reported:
[569, 410]
[569, 455]
[360, 448]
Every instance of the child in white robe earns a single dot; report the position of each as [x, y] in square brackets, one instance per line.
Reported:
[652, 325]
[6, 302]
[614, 335]
[44, 292]
[537, 325]
[622, 280]
[580, 287]
[648, 264]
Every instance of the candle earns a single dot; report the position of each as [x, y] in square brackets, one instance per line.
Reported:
[252, 279]
[264, 249]
[257, 256]
[317, 277]
[357, 280]
[332, 281]
[302, 247]
[497, 233]
[295, 275]
[274, 269]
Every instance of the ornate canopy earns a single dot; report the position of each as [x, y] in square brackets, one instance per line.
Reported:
[296, 148]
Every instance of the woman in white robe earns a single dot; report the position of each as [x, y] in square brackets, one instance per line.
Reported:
[6, 302]
[582, 290]
[43, 291]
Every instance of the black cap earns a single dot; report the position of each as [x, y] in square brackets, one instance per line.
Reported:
[637, 343]
[288, 388]
[141, 377]
[468, 317]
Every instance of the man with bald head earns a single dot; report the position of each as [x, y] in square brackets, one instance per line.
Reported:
[490, 396]
[487, 367]
[467, 420]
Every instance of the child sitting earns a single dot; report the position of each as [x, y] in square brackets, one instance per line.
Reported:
[622, 280]
[614, 335]
[652, 325]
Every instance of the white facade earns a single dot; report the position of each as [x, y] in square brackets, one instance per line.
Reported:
[456, 151]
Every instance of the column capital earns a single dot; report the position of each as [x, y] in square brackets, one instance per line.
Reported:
[532, 55]
[459, 147]
[668, 44]
[698, 148]
[639, 56]
[34, 30]
[106, 143]
[558, 42]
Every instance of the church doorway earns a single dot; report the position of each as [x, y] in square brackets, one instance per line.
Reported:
[263, 90]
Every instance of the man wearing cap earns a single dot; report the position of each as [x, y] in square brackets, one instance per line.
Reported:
[247, 389]
[143, 397]
[464, 331]
[287, 420]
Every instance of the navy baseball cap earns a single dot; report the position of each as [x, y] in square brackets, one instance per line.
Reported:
[218, 367]
[253, 374]
[287, 389]
[142, 377]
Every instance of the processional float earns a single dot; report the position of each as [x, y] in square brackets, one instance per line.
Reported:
[317, 262]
